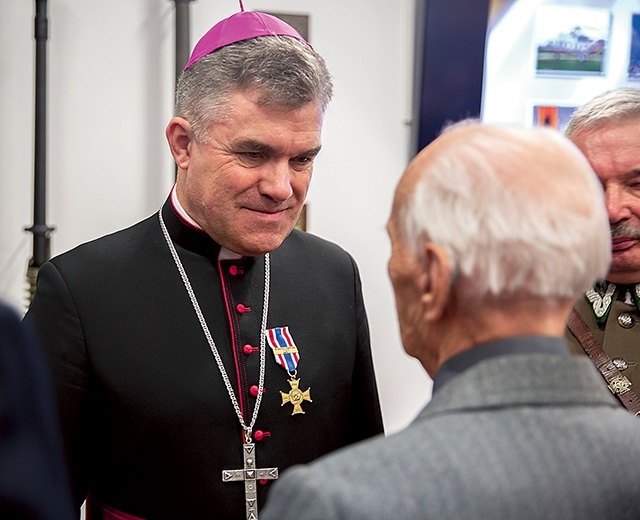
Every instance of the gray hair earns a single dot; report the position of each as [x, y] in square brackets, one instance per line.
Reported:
[546, 235]
[618, 106]
[285, 71]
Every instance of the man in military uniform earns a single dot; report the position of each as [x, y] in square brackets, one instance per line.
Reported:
[607, 130]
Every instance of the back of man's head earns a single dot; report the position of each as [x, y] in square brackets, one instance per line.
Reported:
[518, 211]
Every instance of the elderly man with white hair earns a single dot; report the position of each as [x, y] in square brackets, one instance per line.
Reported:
[495, 232]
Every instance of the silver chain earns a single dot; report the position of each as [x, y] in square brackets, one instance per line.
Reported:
[248, 429]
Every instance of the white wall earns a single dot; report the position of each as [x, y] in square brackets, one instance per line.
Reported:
[110, 85]
[511, 87]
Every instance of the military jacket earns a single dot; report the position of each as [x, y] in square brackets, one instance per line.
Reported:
[618, 333]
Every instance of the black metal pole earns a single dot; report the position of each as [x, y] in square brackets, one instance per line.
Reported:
[182, 35]
[41, 232]
[183, 44]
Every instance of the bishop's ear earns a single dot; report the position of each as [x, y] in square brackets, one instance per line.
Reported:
[437, 281]
[179, 136]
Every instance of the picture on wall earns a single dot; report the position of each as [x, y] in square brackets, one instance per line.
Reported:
[634, 53]
[301, 223]
[571, 40]
[553, 116]
[300, 22]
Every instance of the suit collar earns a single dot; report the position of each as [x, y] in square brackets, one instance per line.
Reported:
[521, 380]
[509, 346]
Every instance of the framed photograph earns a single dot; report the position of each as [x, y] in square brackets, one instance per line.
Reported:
[553, 116]
[634, 52]
[300, 22]
[301, 223]
[571, 40]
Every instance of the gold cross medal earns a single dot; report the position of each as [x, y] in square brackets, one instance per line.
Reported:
[287, 356]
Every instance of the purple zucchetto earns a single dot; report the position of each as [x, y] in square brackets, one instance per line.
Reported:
[238, 27]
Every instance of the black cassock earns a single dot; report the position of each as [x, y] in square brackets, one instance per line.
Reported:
[147, 421]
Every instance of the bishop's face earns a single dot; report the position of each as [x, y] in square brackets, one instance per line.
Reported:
[246, 185]
[614, 155]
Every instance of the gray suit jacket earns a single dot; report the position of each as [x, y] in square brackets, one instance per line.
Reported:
[512, 437]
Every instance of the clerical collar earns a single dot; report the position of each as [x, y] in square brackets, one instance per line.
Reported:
[224, 254]
[180, 211]
[509, 346]
[602, 295]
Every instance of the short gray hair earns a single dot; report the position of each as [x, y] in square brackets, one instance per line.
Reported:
[285, 71]
[505, 235]
[618, 106]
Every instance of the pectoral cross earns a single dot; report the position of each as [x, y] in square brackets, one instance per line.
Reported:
[250, 475]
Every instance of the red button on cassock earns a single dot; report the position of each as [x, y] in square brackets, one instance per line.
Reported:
[234, 270]
[258, 435]
[242, 308]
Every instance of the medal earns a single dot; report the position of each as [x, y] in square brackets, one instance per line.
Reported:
[296, 396]
[287, 356]
[620, 363]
